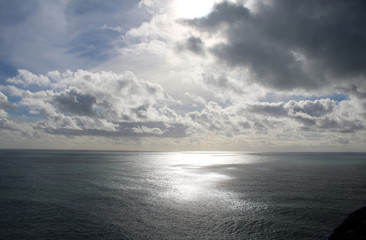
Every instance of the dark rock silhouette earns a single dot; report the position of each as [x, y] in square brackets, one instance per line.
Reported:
[352, 228]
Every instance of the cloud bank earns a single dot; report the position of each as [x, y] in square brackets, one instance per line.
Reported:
[249, 75]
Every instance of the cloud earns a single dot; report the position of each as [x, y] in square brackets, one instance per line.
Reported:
[354, 90]
[195, 98]
[291, 45]
[222, 14]
[270, 109]
[103, 128]
[144, 129]
[89, 103]
[45, 42]
[75, 102]
[114, 106]
[223, 83]
[267, 73]
[25, 78]
[323, 114]
[315, 108]
[215, 119]
[22, 128]
[98, 27]
[264, 119]
[63, 34]
[16, 11]
[4, 103]
[193, 44]
[117, 29]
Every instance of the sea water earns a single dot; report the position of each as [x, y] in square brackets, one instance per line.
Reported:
[188, 195]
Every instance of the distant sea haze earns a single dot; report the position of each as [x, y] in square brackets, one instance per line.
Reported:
[163, 195]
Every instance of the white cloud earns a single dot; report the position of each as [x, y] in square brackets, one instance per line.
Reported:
[3, 114]
[110, 105]
[4, 103]
[144, 129]
[26, 79]
[117, 29]
[87, 101]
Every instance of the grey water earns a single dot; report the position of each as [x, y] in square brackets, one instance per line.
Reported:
[48, 194]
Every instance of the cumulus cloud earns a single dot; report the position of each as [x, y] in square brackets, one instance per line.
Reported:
[324, 114]
[89, 103]
[23, 129]
[110, 105]
[228, 122]
[4, 103]
[273, 120]
[26, 78]
[291, 45]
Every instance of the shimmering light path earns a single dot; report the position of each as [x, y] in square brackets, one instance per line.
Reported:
[134, 195]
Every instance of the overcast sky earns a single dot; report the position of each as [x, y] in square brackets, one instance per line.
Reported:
[255, 75]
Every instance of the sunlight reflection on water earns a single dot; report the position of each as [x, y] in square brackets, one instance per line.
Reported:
[190, 179]
[202, 159]
[154, 195]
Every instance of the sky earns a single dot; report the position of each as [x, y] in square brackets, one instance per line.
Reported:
[175, 75]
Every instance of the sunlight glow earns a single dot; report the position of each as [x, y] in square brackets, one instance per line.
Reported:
[192, 8]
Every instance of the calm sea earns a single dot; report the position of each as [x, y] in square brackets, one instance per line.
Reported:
[157, 195]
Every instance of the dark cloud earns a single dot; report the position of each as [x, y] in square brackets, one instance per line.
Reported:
[75, 102]
[354, 90]
[315, 108]
[312, 115]
[141, 111]
[292, 44]
[306, 121]
[193, 44]
[272, 109]
[223, 13]
[343, 126]
[311, 109]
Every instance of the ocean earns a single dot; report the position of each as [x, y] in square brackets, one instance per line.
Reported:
[47, 194]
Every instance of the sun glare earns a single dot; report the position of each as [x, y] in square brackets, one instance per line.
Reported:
[192, 8]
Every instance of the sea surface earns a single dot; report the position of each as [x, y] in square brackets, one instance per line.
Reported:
[177, 195]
